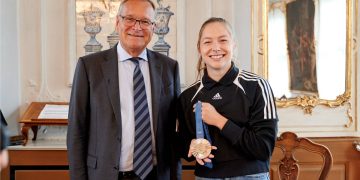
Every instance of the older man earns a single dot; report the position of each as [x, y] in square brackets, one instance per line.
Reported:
[122, 108]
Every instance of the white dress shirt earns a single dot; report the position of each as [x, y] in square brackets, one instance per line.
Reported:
[126, 71]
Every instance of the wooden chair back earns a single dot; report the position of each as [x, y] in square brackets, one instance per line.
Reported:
[288, 142]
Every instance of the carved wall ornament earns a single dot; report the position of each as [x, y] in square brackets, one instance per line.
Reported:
[308, 103]
[92, 17]
[348, 112]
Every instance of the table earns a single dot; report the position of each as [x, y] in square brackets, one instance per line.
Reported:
[30, 119]
[43, 159]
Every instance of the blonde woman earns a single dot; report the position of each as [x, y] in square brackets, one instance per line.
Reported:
[237, 109]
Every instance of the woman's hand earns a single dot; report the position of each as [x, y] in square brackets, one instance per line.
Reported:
[201, 161]
[211, 116]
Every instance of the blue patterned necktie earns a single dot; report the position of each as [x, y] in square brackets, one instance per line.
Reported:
[142, 147]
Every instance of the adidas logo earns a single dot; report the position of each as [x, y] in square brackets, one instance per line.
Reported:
[217, 97]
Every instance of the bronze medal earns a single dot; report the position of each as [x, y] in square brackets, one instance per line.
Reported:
[201, 148]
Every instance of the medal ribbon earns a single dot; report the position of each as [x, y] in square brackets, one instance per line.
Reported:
[202, 130]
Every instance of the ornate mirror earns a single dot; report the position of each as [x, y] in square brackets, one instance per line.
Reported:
[307, 51]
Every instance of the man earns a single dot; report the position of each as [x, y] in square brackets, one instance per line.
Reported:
[105, 115]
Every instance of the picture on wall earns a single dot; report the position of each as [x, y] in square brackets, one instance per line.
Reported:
[300, 15]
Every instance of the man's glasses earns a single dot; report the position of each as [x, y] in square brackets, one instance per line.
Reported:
[144, 23]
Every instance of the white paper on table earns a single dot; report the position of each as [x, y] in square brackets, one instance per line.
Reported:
[51, 111]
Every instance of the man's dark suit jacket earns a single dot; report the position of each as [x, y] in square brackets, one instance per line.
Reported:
[94, 131]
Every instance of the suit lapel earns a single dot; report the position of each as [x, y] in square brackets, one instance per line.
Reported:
[156, 84]
[111, 76]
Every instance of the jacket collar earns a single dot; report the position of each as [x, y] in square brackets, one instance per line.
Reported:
[226, 80]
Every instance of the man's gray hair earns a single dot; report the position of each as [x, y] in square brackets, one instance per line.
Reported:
[125, 1]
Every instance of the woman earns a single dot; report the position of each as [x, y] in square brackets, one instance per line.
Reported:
[237, 107]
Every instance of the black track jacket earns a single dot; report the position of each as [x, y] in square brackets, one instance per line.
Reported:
[246, 142]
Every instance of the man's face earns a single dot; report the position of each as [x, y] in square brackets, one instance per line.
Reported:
[134, 33]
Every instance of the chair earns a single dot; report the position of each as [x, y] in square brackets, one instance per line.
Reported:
[289, 167]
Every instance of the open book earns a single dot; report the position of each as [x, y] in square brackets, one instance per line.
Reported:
[51, 111]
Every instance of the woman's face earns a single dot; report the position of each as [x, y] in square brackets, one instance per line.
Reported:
[216, 47]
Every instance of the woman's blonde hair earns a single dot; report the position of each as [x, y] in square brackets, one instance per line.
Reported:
[200, 65]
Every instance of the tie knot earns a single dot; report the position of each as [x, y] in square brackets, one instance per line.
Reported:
[135, 60]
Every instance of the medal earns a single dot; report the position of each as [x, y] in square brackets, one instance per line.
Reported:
[201, 148]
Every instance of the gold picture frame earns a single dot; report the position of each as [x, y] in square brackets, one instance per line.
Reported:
[261, 65]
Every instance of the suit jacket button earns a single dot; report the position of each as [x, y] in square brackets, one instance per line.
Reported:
[118, 138]
[116, 167]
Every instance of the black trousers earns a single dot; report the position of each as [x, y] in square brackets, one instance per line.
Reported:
[130, 175]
